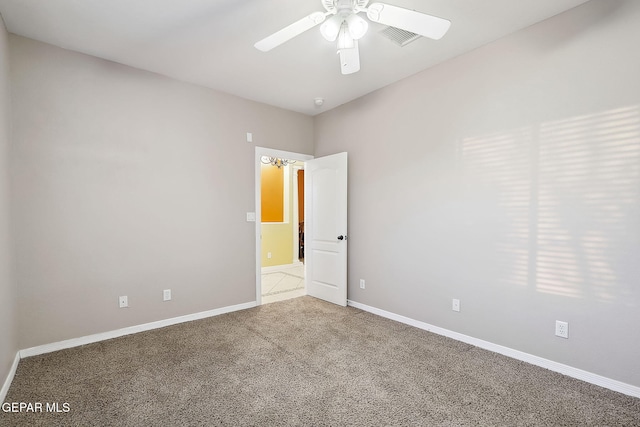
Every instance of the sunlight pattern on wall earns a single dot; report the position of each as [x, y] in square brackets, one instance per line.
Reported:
[588, 199]
[560, 203]
[497, 167]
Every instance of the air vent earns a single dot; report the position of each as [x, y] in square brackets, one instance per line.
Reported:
[398, 36]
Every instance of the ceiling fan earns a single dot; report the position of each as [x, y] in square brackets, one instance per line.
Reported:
[347, 27]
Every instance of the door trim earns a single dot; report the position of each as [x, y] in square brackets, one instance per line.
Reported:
[259, 152]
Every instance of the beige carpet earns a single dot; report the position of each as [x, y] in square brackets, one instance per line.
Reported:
[303, 362]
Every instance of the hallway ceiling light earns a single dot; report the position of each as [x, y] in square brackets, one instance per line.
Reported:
[275, 161]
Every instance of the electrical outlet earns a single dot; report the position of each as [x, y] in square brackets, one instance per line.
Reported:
[268, 255]
[562, 329]
[123, 301]
[166, 295]
[455, 305]
[361, 283]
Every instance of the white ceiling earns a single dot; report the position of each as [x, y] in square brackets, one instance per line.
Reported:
[210, 42]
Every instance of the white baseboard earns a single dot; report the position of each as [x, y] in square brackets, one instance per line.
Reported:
[7, 383]
[569, 371]
[75, 342]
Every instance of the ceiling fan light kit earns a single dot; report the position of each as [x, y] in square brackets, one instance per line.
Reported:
[357, 26]
[347, 27]
[345, 40]
[331, 28]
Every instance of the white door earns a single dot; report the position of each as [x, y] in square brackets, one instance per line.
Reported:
[325, 204]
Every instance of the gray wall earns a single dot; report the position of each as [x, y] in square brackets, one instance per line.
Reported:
[8, 345]
[128, 183]
[509, 178]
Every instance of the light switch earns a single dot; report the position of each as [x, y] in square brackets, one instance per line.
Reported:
[249, 137]
[251, 217]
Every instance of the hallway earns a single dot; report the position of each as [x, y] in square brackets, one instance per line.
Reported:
[282, 282]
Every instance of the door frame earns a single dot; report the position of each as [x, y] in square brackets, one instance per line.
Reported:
[270, 152]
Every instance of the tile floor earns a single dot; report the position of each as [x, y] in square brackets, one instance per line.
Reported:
[285, 283]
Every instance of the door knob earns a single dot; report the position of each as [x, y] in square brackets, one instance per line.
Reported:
[341, 237]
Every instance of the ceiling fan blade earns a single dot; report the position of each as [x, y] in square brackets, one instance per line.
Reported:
[408, 20]
[350, 59]
[290, 31]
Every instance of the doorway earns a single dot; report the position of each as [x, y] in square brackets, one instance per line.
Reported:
[280, 269]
